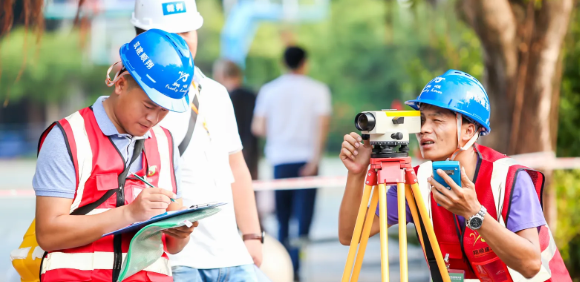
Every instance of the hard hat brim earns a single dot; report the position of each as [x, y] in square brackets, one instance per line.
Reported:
[174, 105]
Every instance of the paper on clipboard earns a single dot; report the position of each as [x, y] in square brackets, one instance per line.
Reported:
[138, 225]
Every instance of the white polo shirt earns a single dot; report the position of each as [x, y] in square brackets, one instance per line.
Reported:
[292, 105]
[207, 177]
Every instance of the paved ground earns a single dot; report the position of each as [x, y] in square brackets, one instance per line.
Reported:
[323, 260]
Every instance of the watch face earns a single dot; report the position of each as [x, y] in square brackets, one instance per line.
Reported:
[476, 222]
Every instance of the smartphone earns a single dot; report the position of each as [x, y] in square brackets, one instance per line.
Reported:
[451, 168]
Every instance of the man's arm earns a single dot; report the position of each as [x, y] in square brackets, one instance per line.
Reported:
[356, 158]
[178, 237]
[56, 229]
[311, 167]
[245, 204]
[260, 113]
[322, 108]
[349, 209]
[259, 126]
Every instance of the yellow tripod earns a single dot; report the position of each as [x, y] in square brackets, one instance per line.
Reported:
[393, 171]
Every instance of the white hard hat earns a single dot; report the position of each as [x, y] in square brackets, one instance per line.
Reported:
[167, 15]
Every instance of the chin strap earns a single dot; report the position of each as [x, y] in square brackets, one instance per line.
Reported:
[467, 145]
[110, 82]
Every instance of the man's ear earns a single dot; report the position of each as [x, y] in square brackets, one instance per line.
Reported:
[469, 130]
[121, 85]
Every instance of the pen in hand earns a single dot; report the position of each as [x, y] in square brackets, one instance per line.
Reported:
[149, 184]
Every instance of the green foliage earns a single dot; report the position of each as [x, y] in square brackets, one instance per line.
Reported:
[567, 235]
[49, 67]
[568, 143]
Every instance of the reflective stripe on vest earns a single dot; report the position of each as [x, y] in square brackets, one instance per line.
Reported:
[165, 175]
[99, 173]
[498, 184]
[83, 155]
[96, 260]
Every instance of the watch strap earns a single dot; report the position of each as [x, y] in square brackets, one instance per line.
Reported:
[246, 237]
[480, 214]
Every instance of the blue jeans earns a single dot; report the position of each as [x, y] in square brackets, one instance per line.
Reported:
[242, 273]
[293, 203]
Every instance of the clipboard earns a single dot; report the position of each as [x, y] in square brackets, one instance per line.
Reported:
[138, 225]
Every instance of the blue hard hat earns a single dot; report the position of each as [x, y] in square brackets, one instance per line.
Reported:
[459, 92]
[162, 65]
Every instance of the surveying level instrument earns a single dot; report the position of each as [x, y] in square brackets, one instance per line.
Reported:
[388, 132]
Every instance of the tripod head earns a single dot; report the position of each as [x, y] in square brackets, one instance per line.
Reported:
[388, 131]
[389, 150]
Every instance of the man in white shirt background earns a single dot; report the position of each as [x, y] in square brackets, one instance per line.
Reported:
[213, 167]
[293, 113]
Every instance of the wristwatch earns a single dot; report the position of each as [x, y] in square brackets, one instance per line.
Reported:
[254, 237]
[476, 221]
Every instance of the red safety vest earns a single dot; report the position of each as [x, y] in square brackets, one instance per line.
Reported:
[468, 251]
[98, 164]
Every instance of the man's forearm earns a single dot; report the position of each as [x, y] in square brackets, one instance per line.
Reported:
[349, 206]
[175, 245]
[324, 122]
[515, 251]
[243, 195]
[71, 231]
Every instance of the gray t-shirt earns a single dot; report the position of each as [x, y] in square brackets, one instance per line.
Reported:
[55, 174]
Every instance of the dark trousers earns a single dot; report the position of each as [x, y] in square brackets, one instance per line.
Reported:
[298, 204]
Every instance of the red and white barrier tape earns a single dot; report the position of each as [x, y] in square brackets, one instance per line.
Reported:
[300, 183]
[542, 160]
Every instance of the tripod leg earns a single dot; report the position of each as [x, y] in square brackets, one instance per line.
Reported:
[384, 232]
[430, 232]
[403, 259]
[356, 233]
[414, 213]
[365, 234]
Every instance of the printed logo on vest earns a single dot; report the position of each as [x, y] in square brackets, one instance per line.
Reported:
[172, 8]
[476, 238]
[152, 170]
[481, 252]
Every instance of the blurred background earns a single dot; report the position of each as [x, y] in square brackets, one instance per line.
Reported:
[372, 54]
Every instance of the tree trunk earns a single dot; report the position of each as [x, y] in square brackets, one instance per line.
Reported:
[521, 44]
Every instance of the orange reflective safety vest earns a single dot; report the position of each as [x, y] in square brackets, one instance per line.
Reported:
[98, 164]
[467, 250]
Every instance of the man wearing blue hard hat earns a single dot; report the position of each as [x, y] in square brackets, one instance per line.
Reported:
[490, 226]
[213, 165]
[84, 179]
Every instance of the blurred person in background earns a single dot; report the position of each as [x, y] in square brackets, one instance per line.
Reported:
[214, 169]
[81, 184]
[293, 114]
[230, 75]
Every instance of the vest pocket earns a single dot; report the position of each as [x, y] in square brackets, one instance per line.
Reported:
[493, 270]
[103, 183]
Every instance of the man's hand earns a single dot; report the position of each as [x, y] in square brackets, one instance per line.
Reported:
[255, 249]
[149, 203]
[181, 232]
[459, 200]
[310, 169]
[354, 155]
